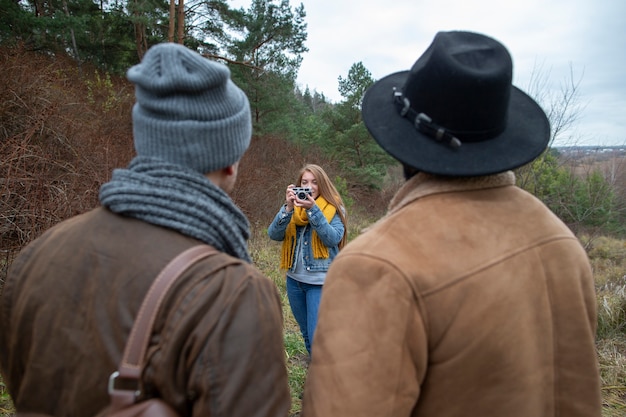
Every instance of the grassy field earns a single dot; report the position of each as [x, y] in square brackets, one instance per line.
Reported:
[266, 256]
[608, 257]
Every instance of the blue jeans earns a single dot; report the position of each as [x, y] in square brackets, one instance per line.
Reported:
[304, 300]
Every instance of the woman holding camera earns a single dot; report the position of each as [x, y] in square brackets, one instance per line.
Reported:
[312, 225]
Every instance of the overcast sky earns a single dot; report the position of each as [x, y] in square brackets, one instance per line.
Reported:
[546, 38]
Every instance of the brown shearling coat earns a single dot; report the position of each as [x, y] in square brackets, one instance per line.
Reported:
[71, 298]
[469, 298]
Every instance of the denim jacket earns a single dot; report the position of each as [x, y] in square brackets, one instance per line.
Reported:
[330, 234]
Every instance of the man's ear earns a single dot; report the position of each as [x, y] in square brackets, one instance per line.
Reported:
[224, 177]
[229, 170]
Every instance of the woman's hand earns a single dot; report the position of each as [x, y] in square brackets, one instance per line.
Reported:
[290, 198]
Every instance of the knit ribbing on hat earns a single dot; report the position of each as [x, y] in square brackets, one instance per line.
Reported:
[188, 111]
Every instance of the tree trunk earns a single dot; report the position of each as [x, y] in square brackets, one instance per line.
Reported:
[181, 21]
[172, 21]
[72, 35]
[141, 41]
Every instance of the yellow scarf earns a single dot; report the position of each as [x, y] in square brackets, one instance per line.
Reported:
[299, 218]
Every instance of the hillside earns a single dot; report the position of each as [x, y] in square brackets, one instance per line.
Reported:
[64, 128]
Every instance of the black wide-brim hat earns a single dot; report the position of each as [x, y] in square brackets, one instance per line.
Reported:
[456, 112]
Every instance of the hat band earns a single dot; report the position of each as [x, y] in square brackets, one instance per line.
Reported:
[424, 123]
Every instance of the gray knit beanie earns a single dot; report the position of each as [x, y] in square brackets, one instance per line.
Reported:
[188, 111]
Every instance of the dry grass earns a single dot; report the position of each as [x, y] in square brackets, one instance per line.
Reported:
[265, 254]
[608, 259]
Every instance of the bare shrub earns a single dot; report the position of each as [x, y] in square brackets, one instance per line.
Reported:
[57, 145]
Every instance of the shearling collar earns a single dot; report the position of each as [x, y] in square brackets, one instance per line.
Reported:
[424, 184]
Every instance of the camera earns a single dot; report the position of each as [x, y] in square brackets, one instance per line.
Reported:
[301, 192]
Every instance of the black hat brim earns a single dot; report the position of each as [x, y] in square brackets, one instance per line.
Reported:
[525, 137]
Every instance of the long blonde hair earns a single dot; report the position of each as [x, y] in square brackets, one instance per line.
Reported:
[328, 190]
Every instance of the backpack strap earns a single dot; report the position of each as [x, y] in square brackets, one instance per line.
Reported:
[131, 366]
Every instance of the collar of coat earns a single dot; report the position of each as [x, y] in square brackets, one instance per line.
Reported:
[424, 184]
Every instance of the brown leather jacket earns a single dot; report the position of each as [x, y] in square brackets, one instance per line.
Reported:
[468, 299]
[72, 295]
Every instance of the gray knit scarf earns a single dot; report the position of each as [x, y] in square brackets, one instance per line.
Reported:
[178, 198]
